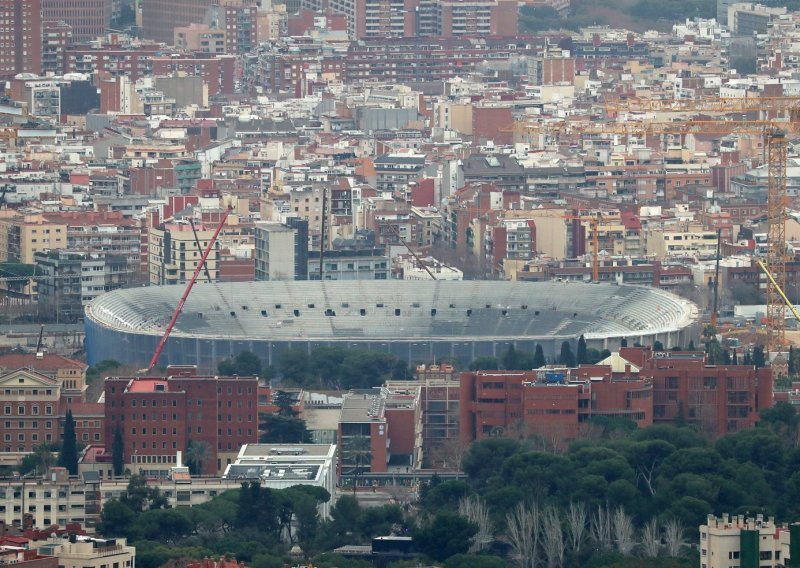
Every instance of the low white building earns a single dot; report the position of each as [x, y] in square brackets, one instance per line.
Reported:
[280, 466]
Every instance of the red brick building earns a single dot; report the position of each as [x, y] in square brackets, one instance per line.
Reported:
[34, 406]
[719, 399]
[21, 37]
[551, 403]
[161, 416]
[639, 385]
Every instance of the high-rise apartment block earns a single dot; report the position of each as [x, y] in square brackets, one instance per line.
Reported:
[89, 19]
[161, 17]
[281, 251]
[410, 18]
[20, 37]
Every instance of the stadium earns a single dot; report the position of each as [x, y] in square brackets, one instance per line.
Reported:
[414, 320]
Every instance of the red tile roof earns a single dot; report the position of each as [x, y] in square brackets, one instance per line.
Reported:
[49, 362]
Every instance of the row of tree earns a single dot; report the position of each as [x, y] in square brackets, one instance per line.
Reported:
[255, 524]
[663, 472]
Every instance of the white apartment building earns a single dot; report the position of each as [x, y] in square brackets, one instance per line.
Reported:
[739, 542]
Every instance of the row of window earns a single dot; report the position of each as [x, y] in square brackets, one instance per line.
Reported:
[28, 392]
[48, 410]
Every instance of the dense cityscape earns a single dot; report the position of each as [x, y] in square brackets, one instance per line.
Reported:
[395, 284]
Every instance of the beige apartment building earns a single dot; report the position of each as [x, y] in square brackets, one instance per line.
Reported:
[88, 552]
[665, 245]
[736, 541]
[22, 236]
[174, 256]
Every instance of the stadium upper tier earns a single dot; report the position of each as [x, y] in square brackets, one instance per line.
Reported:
[264, 316]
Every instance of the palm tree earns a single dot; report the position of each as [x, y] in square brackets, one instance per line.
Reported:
[357, 450]
[196, 454]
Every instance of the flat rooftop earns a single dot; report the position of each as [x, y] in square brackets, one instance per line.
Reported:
[147, 385]
[359, 407]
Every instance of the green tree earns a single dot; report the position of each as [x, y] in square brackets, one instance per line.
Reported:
[245, 364]
[658, 346]
[163, 525]
[356, 454]
[68, 457]
[714, 352]
[474, 561]
[39, 461]
[690, 347]
[278, 429]
[514, 360]
[582, 356]
[294, 365]
[759, 360]
[117, 449]
[101, 370]
[566, 357]
[623, 342]
[141, 497]
[486, 363]
[196, 454]
[444, 535]
[538, 357]
[116, 519]
[284, 401]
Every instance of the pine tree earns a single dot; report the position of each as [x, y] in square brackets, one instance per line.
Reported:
[566, 358]
[117, 452]
[582, 355]
[691, 347]
[538, 358]
[758, 357]
[68, 457]
[623, 342]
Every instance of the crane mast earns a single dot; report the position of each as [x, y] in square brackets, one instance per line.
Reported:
[188, 290]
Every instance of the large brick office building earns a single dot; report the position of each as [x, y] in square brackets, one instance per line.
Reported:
[160, 416]
[637, 384]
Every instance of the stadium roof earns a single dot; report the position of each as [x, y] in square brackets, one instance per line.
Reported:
[396, 310]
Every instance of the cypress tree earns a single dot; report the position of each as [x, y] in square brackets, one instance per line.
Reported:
[538, 357]
[566, 358]
[582, 355]
[759, 359]
[68, 457]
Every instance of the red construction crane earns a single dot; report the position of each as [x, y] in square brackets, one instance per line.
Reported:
[186, 293]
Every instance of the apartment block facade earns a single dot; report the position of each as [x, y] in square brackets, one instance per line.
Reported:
[20, 37]
[89, 19]
[160, 416]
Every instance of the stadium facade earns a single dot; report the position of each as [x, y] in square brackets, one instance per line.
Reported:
[414, 320]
